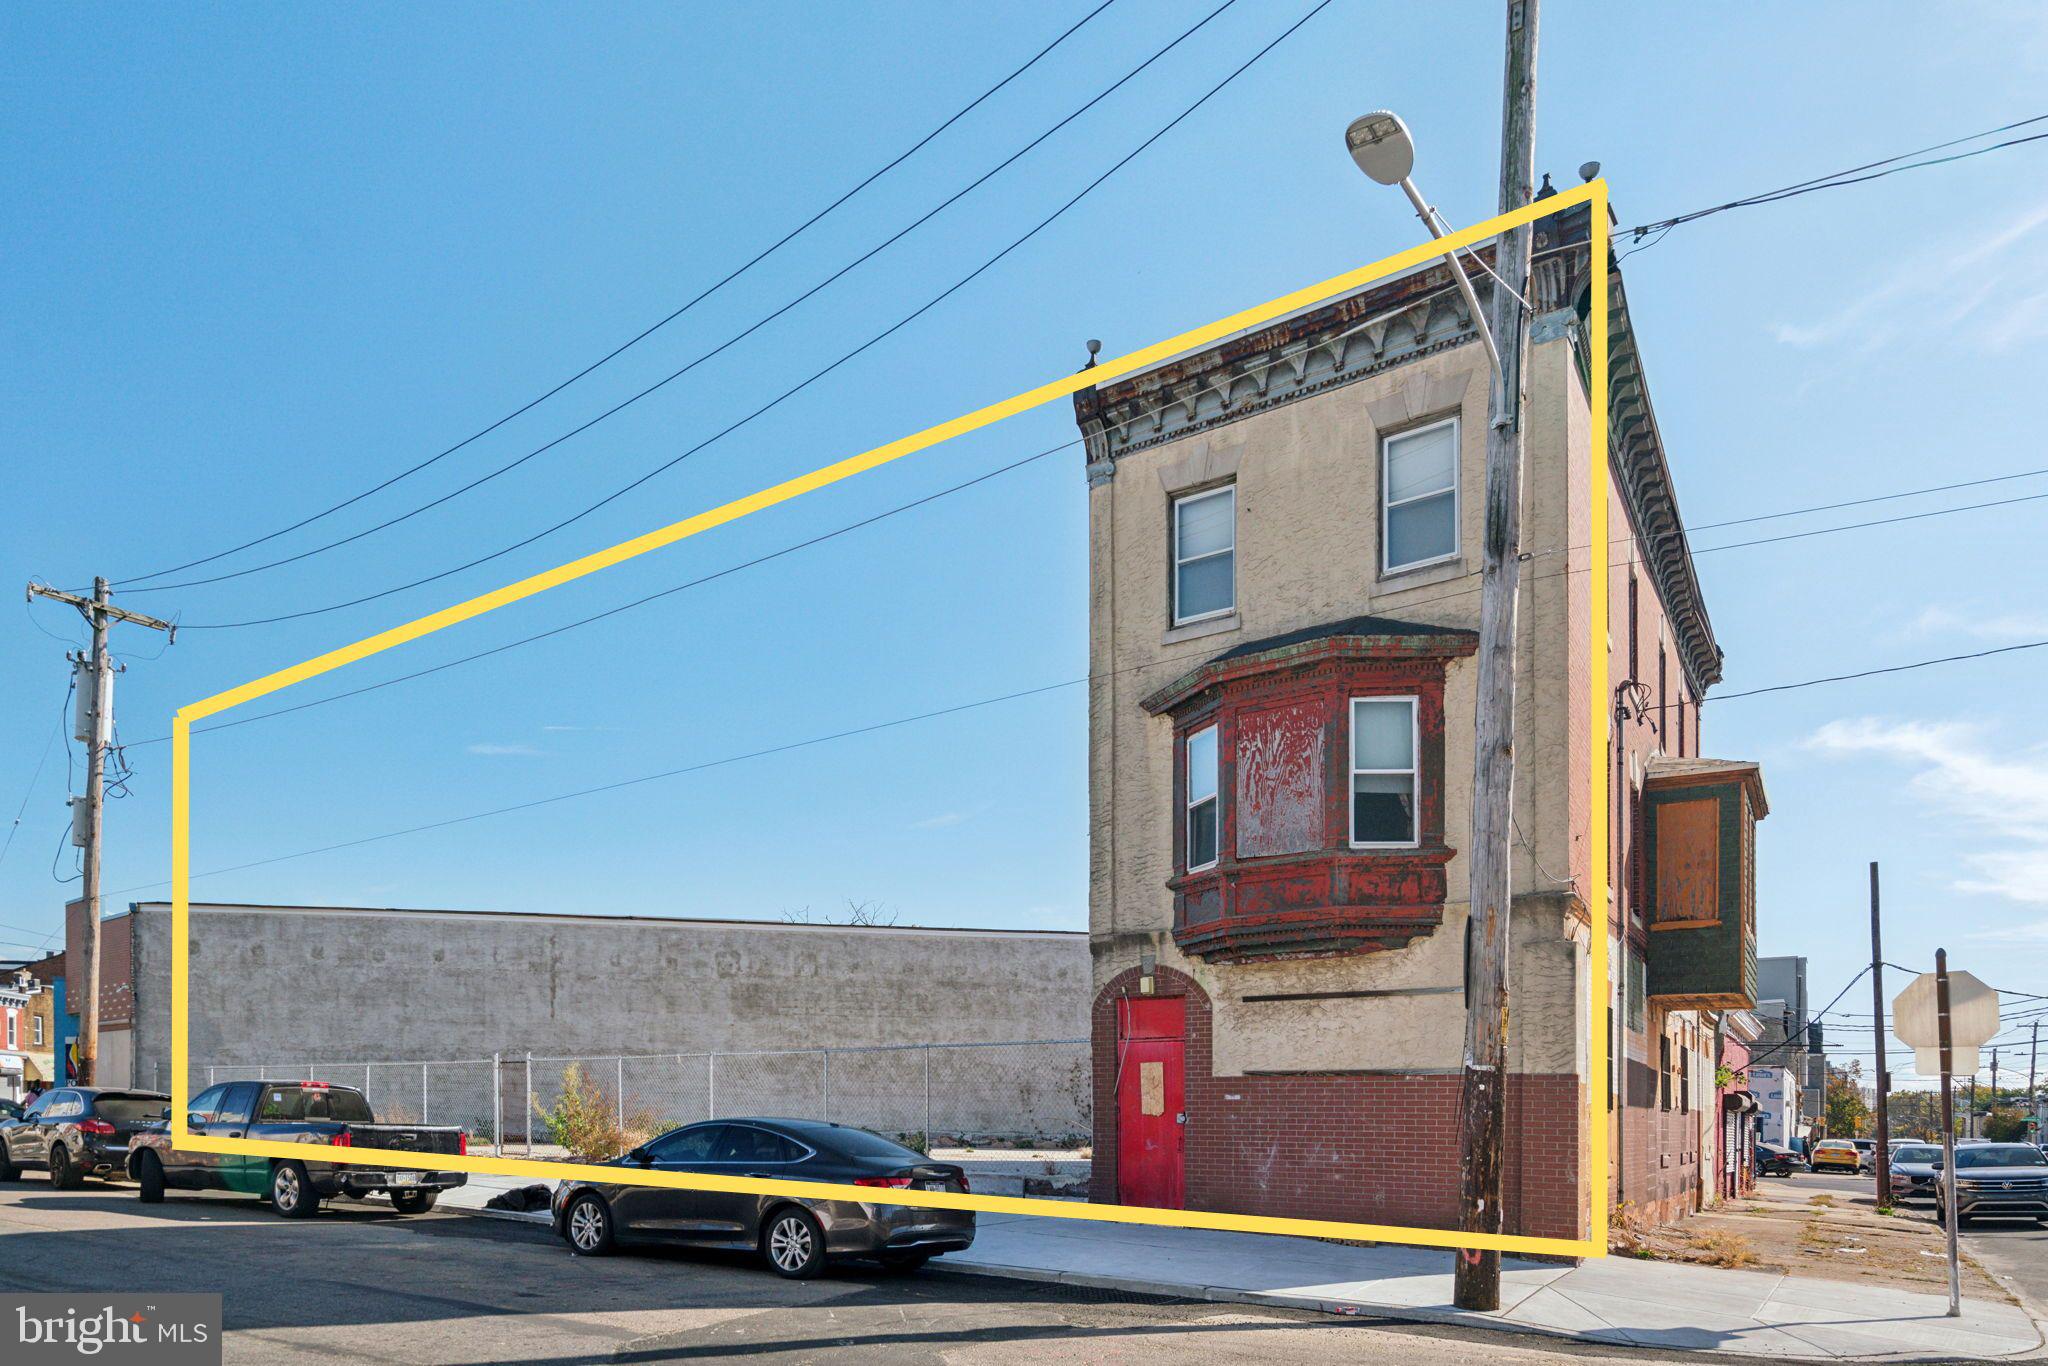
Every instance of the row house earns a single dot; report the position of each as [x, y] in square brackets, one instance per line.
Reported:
[1284, 554]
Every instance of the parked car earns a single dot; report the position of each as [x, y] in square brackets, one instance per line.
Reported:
[1836, 1154]
[1914, 1170]
[795, 1236]
[1773, 1160]
[1867, 1149]
[10, 1109]
[73, 1132]
[308, 1112]
[1999, 1181]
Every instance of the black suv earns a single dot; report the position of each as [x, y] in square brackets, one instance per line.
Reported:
[74, 1132]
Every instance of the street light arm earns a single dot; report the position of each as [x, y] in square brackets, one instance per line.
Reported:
[1428, 217]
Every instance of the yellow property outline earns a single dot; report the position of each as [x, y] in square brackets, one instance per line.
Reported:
[1597, 1115]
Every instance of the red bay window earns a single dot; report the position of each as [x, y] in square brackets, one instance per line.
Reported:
[1308, 781]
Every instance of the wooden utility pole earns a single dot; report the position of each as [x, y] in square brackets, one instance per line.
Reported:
[1884, 1081]
[2033, 1103]
[1483, 1099]
[99, 613]
[1947, 1191]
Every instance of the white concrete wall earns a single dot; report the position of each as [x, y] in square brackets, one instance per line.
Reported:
[288, 985]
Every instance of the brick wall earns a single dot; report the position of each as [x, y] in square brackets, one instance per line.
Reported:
[117, 964]
[1362, 1146]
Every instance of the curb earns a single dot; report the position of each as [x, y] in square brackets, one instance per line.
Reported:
[1458, 1318]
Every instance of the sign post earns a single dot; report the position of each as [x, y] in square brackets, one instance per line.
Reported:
[1945, 1017]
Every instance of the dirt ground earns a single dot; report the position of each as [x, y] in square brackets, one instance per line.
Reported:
[1792, 1227]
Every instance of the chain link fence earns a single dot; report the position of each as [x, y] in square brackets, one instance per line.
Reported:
[1030, 1093]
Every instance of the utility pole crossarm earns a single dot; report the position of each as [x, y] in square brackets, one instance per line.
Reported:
[88, 606]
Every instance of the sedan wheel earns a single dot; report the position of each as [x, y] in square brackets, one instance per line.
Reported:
[588, 1226]
[794, 1244]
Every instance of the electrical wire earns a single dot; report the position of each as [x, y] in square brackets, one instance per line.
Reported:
[907, 319]
[1016, 465]
[28, 792]
[645, 333]
[765, 752]
[1799, 1033]
[723, 346]
[1854, 175]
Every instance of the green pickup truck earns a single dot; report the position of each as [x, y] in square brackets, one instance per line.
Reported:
[320, 1116]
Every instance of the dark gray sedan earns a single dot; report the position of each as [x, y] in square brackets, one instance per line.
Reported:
[795, 1236]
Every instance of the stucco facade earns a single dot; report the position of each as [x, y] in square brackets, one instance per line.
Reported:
[1326, 971]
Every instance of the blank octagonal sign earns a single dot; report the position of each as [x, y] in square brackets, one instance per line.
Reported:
[1972, 1020]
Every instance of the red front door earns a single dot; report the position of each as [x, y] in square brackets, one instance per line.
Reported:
[1151, 1109]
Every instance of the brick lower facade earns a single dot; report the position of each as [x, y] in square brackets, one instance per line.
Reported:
[1368, 1147]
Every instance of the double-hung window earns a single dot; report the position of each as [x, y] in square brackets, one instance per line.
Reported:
[1383, 772]
[38, 1029]
[1203, 807]
[1204, 555]
[1419, 496]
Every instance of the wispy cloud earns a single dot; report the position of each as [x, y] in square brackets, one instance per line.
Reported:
[1982, 625]
[1999, 792]
[512, 751]
[939, 822]
[1981, 281]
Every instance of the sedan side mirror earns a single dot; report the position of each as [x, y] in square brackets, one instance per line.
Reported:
[1937, 1164]
[642, 1156]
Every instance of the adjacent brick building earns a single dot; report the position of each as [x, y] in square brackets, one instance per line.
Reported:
[1284, 534]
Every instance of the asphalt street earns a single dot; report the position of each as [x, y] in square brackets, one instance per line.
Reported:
[361, 1283]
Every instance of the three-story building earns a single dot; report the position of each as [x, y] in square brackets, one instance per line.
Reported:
[1284, 571]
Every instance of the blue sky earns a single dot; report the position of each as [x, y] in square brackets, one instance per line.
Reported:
[261, 259]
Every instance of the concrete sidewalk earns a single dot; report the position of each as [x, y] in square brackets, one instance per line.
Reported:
[1616, 1300]
[1609, 1300]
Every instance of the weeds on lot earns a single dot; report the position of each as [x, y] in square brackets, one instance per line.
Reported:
[1725, 1249]
[587, 1124]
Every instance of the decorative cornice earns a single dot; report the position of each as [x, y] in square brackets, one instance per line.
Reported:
[1400, 320]
[1363, 639]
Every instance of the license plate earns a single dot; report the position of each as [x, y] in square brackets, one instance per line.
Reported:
[405, 1178]
[934, 1185]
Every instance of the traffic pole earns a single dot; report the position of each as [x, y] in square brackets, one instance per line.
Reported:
[1948, 1133]
[1884, 1081]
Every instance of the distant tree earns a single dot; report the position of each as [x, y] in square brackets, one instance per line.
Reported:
[1847, 1114]
[856, 913]
[2006, 1125]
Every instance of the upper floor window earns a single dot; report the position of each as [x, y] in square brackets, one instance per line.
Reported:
[13, 1039]
[1383, 749]
[1203, 806]
[1204, 555]
[1419, 498]
[38, 1028]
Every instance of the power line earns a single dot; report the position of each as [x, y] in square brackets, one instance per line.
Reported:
[1019, 464]
[908, 318]
[644, 334]
[21, 810]
[720, 349]
[1872, 673]
[1855, 175]
[741, 758]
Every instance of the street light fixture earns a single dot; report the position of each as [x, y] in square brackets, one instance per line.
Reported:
[1383, 148]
